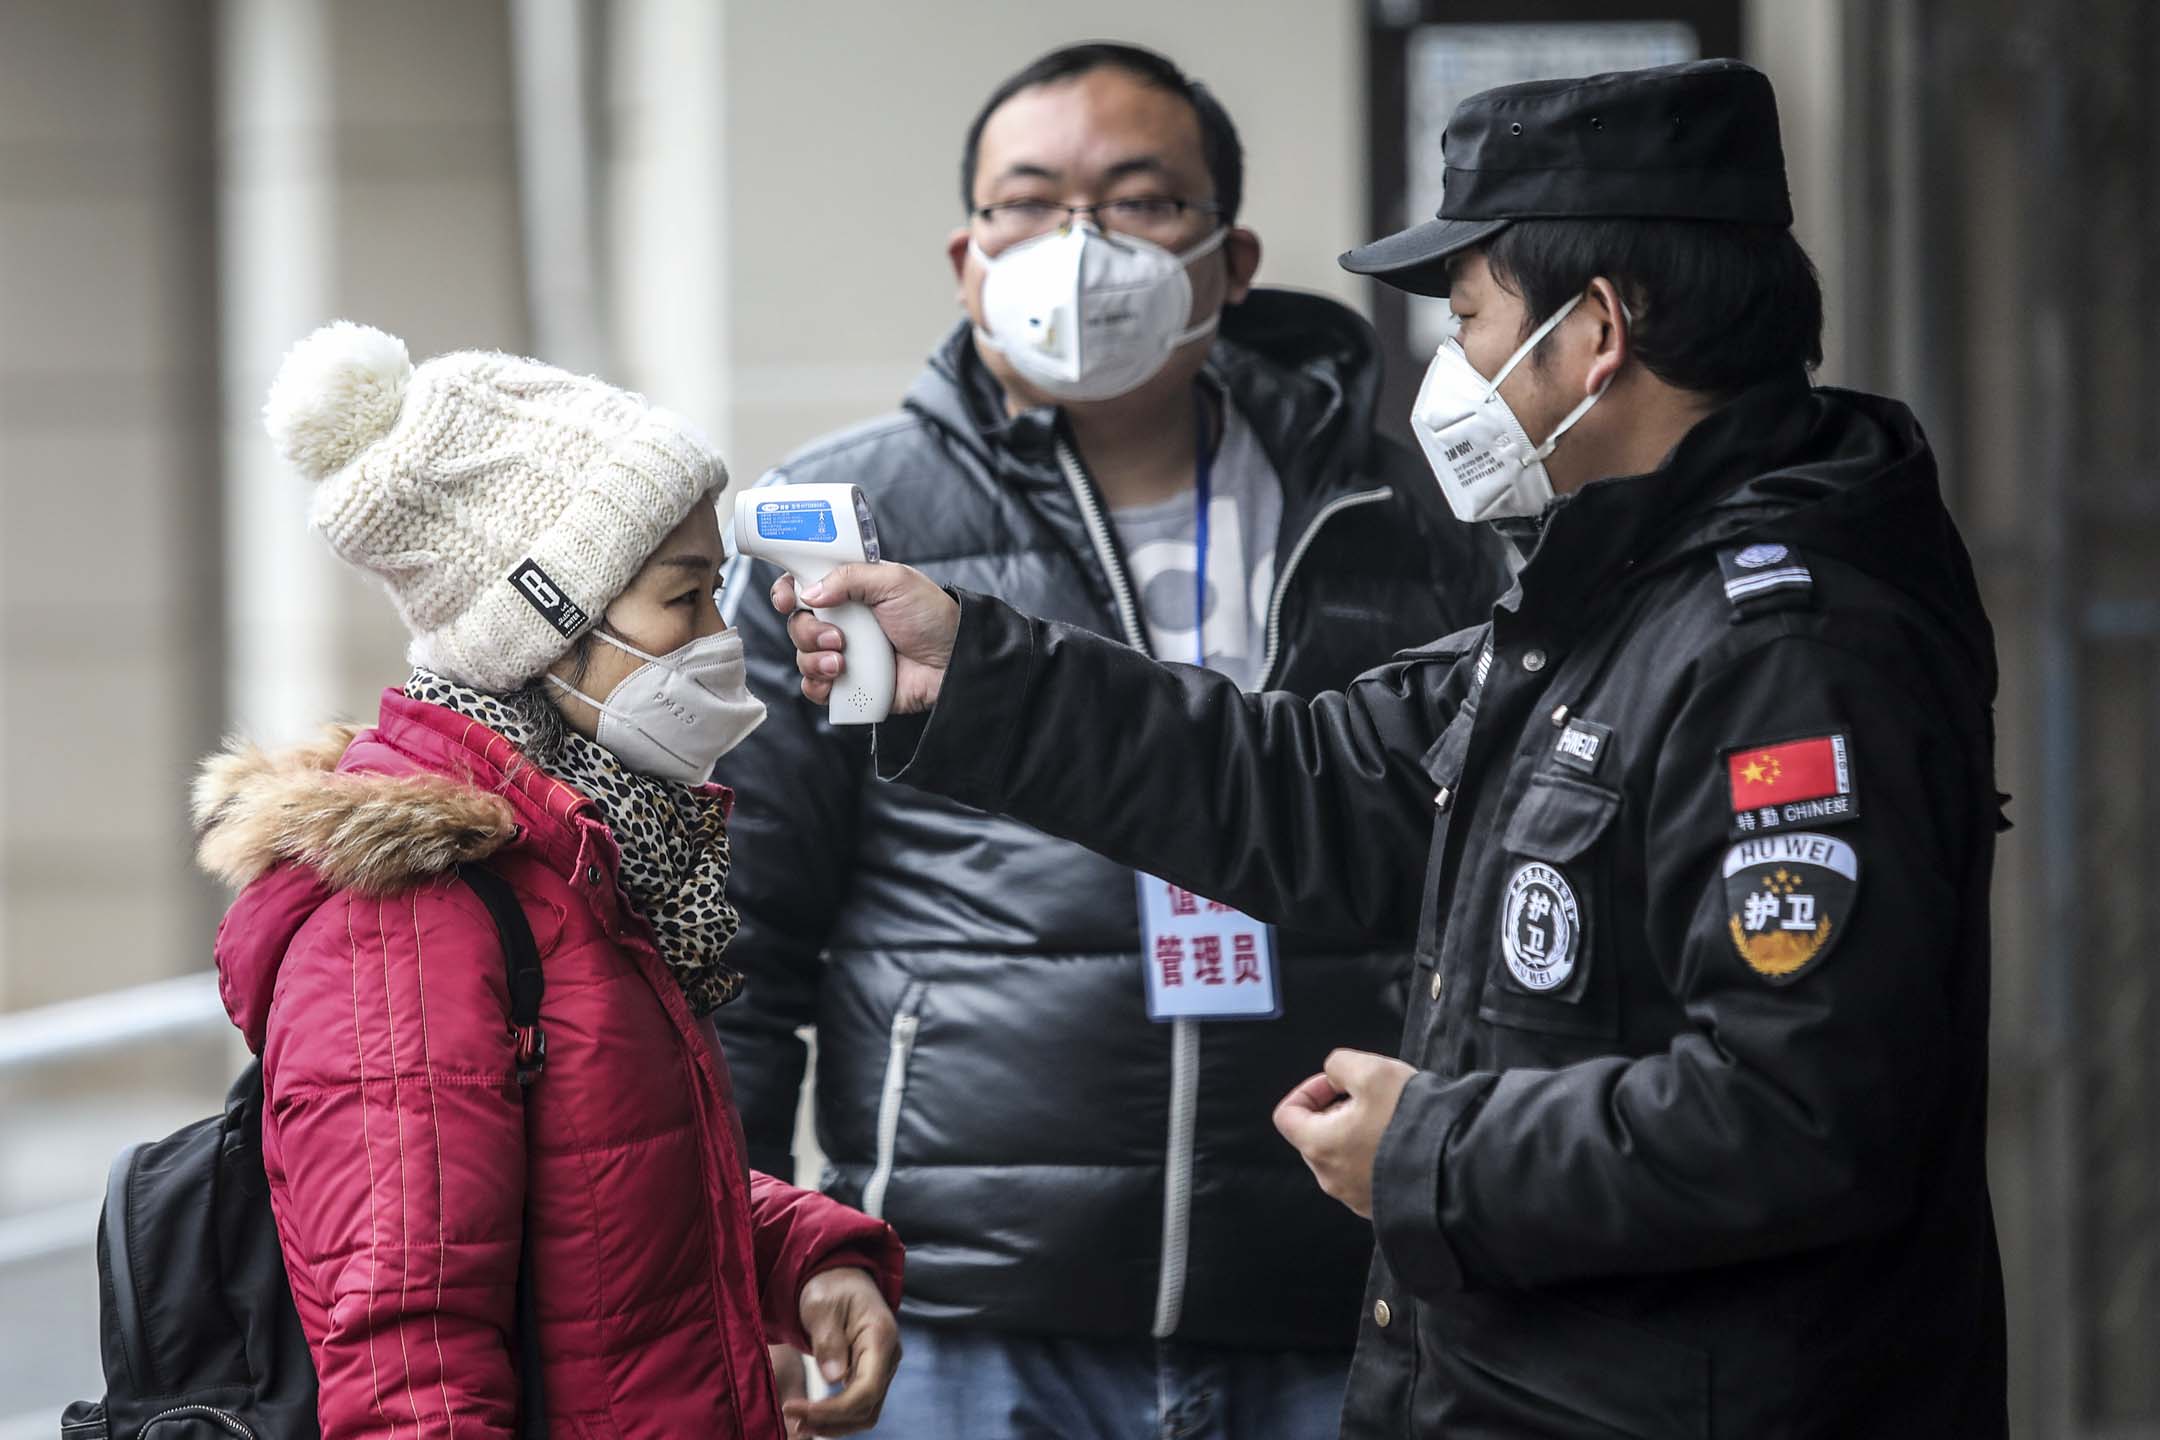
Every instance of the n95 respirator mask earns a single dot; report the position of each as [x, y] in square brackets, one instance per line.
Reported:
[1488, 466]
[1084, 315]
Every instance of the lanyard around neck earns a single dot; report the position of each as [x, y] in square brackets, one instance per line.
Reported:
[1203, 484]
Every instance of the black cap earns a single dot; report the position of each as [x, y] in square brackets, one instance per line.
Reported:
[1681, 142]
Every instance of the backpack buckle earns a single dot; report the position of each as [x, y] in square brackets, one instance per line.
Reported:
[531, 1052]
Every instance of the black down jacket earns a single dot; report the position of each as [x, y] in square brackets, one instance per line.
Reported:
[1693, 839]
[988, 1079]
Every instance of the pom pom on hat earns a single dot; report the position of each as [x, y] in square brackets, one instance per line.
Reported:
[338, 392]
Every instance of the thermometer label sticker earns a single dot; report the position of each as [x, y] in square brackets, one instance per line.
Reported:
[810, 520]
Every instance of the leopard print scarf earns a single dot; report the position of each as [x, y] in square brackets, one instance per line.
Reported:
[673, 840]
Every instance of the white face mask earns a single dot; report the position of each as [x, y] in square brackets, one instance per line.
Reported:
[1488, 466]
[1084, 315]
[674, 716]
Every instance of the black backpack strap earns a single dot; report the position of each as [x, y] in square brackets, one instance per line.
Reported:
[521, 955]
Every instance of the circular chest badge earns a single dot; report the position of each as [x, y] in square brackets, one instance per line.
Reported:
[1540, 927]
[1757, 556]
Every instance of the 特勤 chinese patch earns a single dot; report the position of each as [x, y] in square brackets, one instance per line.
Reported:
[1789, 899]
[1792, 784]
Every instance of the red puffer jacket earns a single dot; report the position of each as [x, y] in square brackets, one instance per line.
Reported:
[402, 1158]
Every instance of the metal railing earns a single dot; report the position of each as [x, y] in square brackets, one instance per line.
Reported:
[84, 1029]
[98, 1024]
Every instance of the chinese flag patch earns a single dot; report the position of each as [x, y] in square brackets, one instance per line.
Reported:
[1816, 768]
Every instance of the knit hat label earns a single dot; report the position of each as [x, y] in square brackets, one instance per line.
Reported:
[545, 596]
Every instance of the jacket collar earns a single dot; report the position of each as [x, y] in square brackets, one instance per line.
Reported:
[557, 819]
[378, 810]
[1835, 473]
[1303, 370]
[1614, 529]
[370, 811]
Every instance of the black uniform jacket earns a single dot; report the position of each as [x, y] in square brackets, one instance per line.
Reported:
[1694, 839]
[988, 1079]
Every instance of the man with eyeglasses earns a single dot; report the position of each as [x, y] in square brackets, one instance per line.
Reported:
[1052, 1076]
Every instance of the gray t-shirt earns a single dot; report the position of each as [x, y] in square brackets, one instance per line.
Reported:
[1244, 517]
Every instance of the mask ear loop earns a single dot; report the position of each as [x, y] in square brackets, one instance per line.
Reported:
[569, 689]
[1200, 251]
[1567, 422]
[1205, 246]
[601, 635]
[1536, 336]
[625, 646]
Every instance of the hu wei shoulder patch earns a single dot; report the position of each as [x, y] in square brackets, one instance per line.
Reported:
[1789, 900]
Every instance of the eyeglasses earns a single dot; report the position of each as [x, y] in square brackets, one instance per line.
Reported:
[1144, 217]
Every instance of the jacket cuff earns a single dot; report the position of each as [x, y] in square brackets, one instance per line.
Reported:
[884, 1262]
[1407, 1180]
[893, 743]
[959, 748]
[870, 1245]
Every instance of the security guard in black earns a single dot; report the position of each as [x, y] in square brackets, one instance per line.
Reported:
[1669, 1168]
[1694, 839]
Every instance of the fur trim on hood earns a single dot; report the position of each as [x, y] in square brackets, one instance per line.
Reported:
[375, 834]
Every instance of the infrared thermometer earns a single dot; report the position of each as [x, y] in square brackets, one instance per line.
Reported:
[809, 530]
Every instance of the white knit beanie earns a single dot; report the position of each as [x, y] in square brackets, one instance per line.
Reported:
[503, 503]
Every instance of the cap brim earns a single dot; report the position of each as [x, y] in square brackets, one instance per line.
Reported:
[1414, 259]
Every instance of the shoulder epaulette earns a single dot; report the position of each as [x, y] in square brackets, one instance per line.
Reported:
[1765, 576]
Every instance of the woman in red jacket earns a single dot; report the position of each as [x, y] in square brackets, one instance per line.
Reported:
[553, 547]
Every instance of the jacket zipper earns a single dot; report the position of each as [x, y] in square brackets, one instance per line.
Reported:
[900, 1050]
[732, 1236]
[732, 1233]
[1328, 512]
[1098, 528]
[225, 1419]
[1177, 1175]
[1184, 1034]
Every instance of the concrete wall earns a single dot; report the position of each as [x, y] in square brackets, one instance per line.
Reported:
[185, 189]
[366, 171]
[1798, 44]
[109, 502]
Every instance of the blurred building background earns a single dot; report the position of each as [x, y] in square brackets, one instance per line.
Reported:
[738, 206]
